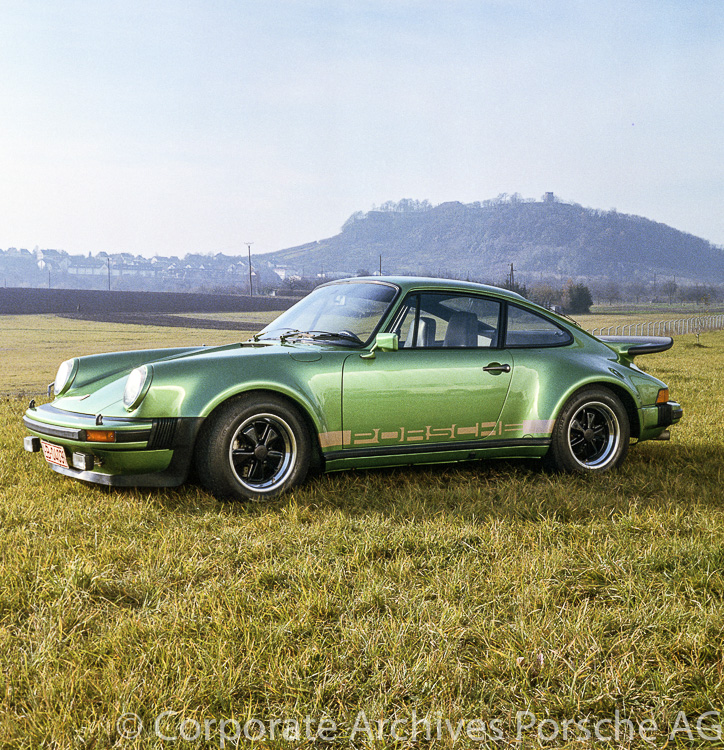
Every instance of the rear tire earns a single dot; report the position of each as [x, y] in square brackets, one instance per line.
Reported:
[591, 433]
[254, 447]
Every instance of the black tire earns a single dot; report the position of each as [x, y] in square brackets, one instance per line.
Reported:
[591, 433]
[254, 447]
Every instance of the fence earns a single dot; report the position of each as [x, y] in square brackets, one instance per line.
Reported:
[698, 324]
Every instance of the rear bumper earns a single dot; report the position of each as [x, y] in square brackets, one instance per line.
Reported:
[669, 413]
[656, 419]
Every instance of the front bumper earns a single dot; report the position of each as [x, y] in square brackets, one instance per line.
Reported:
[143, 453]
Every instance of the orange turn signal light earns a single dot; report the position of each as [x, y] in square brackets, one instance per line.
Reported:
[663, 396]
[100, 436]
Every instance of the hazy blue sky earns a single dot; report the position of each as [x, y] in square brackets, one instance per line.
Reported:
[175, 126]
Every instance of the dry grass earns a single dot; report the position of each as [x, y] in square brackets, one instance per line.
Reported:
[34, 345]
[463, 593]
[602, 317]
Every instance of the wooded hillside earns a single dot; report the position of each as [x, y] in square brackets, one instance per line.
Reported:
[481, 240]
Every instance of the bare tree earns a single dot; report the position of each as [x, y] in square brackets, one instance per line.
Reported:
[669, 289]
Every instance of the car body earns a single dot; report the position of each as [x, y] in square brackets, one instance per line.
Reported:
[361, 373]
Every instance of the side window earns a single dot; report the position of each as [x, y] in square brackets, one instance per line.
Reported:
[528, 329]
[443, 320]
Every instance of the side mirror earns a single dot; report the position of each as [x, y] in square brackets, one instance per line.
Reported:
[384, 342]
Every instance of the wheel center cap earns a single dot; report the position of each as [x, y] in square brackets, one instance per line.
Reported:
[261, 452]
[588, 435]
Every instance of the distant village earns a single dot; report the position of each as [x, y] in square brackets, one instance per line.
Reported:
[219, 273]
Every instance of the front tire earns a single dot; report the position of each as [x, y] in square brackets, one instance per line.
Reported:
[591, 433]
[254, 447]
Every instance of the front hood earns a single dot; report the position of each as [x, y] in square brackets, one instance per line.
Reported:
[101, 379]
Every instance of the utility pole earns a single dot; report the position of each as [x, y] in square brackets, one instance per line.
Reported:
[248, 247]
[108, 262]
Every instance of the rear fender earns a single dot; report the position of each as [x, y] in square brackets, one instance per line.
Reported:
[627, 398]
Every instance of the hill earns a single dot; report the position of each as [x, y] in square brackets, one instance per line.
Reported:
[481, 240]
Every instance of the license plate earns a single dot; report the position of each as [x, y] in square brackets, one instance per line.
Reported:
[54, 454]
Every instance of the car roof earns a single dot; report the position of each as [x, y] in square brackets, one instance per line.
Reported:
[408, 283]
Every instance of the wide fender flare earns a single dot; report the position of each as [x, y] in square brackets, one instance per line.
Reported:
[312, 410]
[629, 398]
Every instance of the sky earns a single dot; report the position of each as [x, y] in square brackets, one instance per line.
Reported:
[195, 126]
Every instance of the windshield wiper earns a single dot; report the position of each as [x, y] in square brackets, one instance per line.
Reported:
[314, 335]
[282, 337]
[318, 335]
[344, 335]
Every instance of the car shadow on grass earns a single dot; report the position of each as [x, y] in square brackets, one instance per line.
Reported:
[653, 476]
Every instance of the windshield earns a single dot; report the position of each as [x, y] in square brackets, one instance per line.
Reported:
[349, 312]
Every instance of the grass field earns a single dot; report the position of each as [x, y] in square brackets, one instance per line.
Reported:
[471, 605]
[602, 319]
[52, 338]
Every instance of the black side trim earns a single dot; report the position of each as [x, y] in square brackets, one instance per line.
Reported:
[669, 413]
[83, 415]
[162, 433]
[79, 435]
[128, 436]
[664, 415]
[404, 450]
[66, 433]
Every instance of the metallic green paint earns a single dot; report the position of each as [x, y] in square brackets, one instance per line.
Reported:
[423, 392]
[373, 405]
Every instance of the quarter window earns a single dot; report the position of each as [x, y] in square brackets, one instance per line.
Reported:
[528, 329]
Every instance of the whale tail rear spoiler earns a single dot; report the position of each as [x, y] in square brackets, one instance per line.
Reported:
[632, 346]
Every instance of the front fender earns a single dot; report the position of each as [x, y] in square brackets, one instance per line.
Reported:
[99, 370]
[197, 386]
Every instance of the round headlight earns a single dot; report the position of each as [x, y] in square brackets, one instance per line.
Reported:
[137, 386]
[65, 376]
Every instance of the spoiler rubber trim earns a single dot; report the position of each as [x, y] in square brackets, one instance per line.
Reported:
[640, 344]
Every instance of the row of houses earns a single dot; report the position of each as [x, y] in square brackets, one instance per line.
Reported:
[135, 265]
[48, 267]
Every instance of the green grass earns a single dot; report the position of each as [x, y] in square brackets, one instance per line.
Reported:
[462, 592]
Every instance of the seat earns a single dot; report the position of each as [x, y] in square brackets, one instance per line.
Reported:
[426, 329]
[462, 330]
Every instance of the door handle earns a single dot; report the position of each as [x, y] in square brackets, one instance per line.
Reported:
[495, 367]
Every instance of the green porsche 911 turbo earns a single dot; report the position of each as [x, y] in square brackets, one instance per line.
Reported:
[363, 372]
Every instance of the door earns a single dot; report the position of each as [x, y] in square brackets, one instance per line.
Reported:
[443, 389]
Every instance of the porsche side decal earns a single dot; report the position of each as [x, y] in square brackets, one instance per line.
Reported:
[480, 430]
